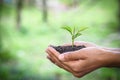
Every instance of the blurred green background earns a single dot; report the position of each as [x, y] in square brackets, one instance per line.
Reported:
[27, 27]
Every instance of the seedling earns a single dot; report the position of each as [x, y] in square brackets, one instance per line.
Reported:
[74, 32]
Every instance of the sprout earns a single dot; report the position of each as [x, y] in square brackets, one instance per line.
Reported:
[74, 32]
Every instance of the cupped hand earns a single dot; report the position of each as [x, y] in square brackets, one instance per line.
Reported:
[79, 62]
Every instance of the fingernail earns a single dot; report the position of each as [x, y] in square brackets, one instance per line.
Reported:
[61, 57]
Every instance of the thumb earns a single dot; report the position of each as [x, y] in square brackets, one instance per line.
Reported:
[70, 56]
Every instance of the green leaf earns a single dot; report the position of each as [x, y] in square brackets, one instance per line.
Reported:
[68, 29]
[77, 35]
[73, 30]
[82, 29]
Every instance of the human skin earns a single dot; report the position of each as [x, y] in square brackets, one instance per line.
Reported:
[86, 60]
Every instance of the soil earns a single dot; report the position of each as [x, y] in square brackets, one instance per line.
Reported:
[62, 49]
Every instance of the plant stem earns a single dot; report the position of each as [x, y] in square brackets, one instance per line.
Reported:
[73, 37]
[72, 43]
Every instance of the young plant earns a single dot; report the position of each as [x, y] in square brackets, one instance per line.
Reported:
[75, 32]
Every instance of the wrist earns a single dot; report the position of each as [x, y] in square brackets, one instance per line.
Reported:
[112, 58]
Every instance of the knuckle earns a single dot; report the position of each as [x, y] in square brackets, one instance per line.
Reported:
[67, 56]
[75, 69]
[76, 42]
[77, 75]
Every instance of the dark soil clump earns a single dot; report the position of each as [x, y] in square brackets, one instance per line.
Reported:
[62, 49]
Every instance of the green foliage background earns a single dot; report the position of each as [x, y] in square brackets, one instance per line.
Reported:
[22, 52]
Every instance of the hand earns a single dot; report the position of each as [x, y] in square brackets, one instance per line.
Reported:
[82, 61]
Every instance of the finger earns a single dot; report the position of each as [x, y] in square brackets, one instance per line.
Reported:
[53, 52]
[54, 62]
[48, 57]
[53, 59]
[70, 56]
[61, 66]
[59, 63]
[77, 43]
[87, 44]
[56, 55]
